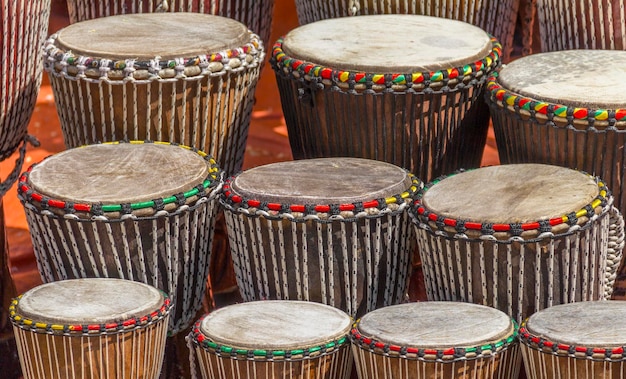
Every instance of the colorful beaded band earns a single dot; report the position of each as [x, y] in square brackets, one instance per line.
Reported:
[220, 62]
[504, 98]
[27, 193]
[89, 329]
[571, 351]
[341, 79]
[515, 229]
[234, 202]
[450, 354]
[264, 355]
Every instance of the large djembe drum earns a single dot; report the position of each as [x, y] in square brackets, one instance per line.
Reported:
[334, 231]
[137, 211]
[497, 17]
[444, 340]
[545, 112]
[187, 78]
[420, 107]
[579, 340]
[256, 14]
[91, 328]
[519, 238]
[273, 339]
[591, 24]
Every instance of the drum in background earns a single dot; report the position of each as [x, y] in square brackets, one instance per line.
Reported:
[256, 14]
[329, 230]
[446, 340]
[579, 340]
[191, 80]
[497, 17]
[593, 24]
[137, 211]
[273, 339]
[419, 107]
[91, 328]
[545, 111]
[519, 238]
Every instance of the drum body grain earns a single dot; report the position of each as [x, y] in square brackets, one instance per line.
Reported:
[91, 328]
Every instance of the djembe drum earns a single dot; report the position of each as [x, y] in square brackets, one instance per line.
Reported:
[419, 107]
[256, 14]
[550, 118]
[91, 328]
[138, 211]
[592, 24]
[334, 231]
[497, 17]
[273, 339]
[444, 340]
[578, 340]
[187, 78]
[519, 238]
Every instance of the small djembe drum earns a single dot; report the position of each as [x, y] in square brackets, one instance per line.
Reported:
[552, 119]
[91, 328]
[497, 17]
[578, 340]
[592, 24]
[334, 231]
[138, 211]
[420, 107]
[446, 340]
[519, 238]
[256, 14]
[187, 78]
[273, 339]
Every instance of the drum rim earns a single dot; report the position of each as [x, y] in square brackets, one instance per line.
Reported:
[346, 80]
[311, 352]
[512, 101]
[90, 330]
[209, 188]
[422, 217]
[328, 212]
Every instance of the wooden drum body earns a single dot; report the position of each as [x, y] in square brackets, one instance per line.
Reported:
[274, 339]
[191, 80]
[419, 107]
[519, 238]
[443, 340]
[334, 231]
[581, 340]
[91, 328]
[138, 211]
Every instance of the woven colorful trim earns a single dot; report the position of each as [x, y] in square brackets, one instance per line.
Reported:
[572, 351]
[504, 97]
[399, 81]
[213, 63]
[89, 329]
[450, 354]
[462, 226]
[27, 193]
[235, 202]
[199, 339]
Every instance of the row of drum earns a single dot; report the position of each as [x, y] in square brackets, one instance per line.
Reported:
[115, 328]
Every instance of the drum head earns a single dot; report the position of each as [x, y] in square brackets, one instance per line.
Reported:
[322, 181]
[388, 43]
[436, 325]
[576, 78]
[508, 194]
[275, 325]
[593, 323]
[89, 301]
[149, 35]
[119, 173]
